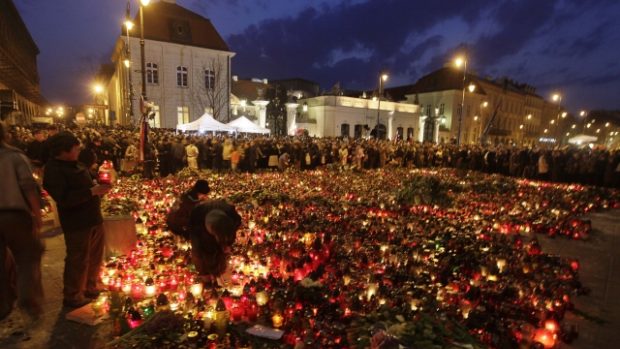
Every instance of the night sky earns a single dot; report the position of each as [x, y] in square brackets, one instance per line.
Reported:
[569, 46]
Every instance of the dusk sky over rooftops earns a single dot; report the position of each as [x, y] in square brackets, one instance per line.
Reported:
[568, 46]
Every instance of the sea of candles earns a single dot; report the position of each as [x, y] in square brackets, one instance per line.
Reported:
[345, 251]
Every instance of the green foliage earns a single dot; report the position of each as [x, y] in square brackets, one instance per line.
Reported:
[425, 190]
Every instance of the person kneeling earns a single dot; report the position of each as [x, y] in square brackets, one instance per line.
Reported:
[213, 228]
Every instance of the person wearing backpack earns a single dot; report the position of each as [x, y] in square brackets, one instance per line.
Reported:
[178, 218]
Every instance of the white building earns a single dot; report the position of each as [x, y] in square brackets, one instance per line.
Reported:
[249, 99]
[187, 68]
[335, 116]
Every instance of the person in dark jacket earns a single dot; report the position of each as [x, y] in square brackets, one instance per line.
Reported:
[179, 216]
[213, 229]
[78, 200]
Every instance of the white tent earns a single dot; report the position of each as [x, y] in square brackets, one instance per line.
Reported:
[582, 139]
[243, 124]
[205, 123]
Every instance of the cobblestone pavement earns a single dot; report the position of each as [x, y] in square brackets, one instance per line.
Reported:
[600, 271]
[599, 260]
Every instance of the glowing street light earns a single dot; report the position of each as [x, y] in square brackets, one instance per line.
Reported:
[98, 88]
[129, 24]
[459, 62]
[382, 79]
[485, 104]
[529, 116]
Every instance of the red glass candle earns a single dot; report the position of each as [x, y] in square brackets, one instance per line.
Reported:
[236, 312]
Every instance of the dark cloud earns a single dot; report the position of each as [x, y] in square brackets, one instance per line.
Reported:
[545, 43]
[519, 24]
[296, 46]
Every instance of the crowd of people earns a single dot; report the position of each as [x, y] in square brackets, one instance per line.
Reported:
[64, 168]
[65, 162]
[169, 151]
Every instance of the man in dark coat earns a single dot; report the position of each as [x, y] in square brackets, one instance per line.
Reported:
[78, 200]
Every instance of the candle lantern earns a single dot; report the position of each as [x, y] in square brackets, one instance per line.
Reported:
[196, 289]
[149, 288]
[236, 311]
[221, 317]
[262, 298]
[105, 173]
[208, 317]
[277, 320]
[545, 337]
[501, 264]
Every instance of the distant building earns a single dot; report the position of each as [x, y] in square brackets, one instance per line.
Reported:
[502, 110]
[188, 68]
[336, 116]
[249, 99]
[20, 95]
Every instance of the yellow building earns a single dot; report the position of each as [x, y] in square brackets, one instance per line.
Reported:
[495, 110]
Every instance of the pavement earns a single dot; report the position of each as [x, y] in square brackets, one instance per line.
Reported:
[599, 258]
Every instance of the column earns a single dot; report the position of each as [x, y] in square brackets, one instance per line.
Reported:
[422, 122]
[261, 111]
[291, 118]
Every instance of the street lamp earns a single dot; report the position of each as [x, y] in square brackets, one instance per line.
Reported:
[382, 78]
[129, 24]
[556, 97]
[462, 61]
[143, 111]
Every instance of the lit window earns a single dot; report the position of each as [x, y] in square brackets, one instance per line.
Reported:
[182, 115]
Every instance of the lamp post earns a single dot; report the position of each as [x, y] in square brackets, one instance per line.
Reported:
[382, 78]
[462, 61]
[144, 127]
[584, 115]
[127, 62]
[558, 98]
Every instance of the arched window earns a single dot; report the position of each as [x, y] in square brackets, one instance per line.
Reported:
[181, 76]
[152, 73]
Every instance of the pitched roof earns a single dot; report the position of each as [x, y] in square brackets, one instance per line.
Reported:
[169, 22]
[443, 79]
[248, 89]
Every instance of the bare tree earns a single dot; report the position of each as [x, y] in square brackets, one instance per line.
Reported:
[212, 91]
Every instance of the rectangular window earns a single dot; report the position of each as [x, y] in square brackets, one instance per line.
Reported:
[152, 73]
[181, 76]
[209, 79]
[182, 115]
[428, 110]
[442, 109]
